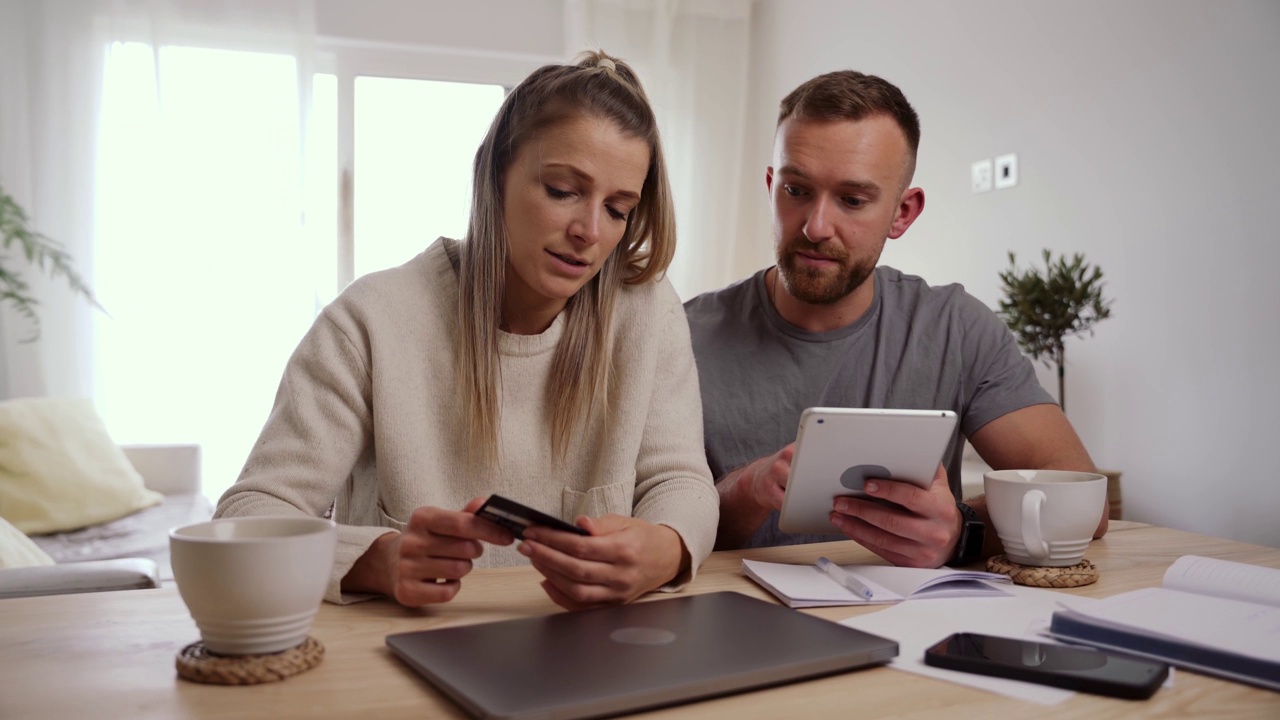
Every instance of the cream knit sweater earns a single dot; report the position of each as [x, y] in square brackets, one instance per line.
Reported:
[367, 415]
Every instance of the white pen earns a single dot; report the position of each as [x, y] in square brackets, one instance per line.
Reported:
[844, 577]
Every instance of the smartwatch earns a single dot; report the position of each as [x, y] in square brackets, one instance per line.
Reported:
[973, 533]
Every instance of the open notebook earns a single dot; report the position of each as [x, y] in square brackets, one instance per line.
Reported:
[1215, 616]
[807, 586]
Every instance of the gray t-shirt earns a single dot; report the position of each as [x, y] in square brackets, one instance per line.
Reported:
[917, 347]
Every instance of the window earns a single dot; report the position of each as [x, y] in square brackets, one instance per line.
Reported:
[202, 257]
[415, 141]
[217, 225]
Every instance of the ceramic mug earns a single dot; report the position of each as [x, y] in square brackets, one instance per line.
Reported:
[1045, 517]
[253, 584]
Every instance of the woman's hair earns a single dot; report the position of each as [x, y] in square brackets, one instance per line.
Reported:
[595, 86]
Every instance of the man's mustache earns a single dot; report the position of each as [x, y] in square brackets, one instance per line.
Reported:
[811, 248]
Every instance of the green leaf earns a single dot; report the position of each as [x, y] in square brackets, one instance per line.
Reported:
[41, 252]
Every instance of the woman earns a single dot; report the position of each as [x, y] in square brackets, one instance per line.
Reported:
[542, 360]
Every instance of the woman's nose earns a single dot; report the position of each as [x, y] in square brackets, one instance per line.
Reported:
[586, 227]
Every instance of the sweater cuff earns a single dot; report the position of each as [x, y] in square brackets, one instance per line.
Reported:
[693, 519]
[353, 542]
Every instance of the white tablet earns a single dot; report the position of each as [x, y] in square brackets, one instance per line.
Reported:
[837, 449]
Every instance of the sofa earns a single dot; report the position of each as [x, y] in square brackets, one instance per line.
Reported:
[129, 552]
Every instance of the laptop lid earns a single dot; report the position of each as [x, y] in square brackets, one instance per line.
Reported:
[626, 658]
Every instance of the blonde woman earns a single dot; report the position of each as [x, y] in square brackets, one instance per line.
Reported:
[543, 359]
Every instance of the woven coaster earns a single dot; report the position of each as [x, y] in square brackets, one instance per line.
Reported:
[1080, 574]
[197, 664]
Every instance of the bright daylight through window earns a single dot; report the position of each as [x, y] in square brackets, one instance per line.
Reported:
[216, 226]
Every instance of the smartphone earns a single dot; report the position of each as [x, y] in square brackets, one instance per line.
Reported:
[516, 517]
[1064, 666]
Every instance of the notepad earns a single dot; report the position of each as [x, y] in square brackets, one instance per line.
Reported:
[807, 586]
[1215, 616]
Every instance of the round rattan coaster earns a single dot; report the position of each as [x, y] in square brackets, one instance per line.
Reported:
[197, 664]
[1080, 574]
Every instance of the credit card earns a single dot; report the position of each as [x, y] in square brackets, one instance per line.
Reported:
[516, 517]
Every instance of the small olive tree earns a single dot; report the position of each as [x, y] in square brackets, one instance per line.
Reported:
[1044, 307]
[41, 252]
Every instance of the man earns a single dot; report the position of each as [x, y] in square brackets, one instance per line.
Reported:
[826, 327]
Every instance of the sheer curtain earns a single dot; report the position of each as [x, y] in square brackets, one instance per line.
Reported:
[50, 82]
[169, 157]
[691, 56]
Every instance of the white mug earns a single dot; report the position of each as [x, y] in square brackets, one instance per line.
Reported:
[253, 584]
[1045, 518]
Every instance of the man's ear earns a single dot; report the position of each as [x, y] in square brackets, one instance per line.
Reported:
[768, 180]
[910, 205]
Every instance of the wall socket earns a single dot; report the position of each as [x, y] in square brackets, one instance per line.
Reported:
[981, 173]
[1006, 171]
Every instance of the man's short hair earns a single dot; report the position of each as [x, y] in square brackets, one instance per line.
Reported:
[851, 95]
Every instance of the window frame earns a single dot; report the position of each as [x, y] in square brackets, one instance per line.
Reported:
[347, 59]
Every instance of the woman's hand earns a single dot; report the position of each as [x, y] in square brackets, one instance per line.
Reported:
[426, 562]
[622, 559]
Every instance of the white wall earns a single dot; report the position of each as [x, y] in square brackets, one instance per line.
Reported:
[518, 27]
[1147, 139]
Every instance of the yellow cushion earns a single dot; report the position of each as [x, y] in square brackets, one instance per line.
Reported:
[17, 550]
[59, 470]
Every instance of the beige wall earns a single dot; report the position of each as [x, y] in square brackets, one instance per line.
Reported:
[1147, 137]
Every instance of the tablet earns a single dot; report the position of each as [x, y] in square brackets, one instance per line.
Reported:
[837, 449]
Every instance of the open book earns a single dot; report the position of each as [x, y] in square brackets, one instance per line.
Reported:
[807, 586]
[1216, 616]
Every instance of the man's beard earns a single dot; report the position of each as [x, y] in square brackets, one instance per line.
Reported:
[821, 287]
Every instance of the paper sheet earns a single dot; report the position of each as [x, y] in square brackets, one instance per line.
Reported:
[918, 624]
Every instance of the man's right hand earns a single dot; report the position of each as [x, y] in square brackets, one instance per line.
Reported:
[749, 494]
[426, 562]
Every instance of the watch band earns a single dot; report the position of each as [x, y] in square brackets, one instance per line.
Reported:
[973, 534]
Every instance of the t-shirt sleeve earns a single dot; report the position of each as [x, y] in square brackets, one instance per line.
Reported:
[998, 377]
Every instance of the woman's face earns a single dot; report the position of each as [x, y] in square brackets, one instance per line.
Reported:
[566, 198]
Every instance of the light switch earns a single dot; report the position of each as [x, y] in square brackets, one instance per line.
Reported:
[981, 173]
[1006, 171]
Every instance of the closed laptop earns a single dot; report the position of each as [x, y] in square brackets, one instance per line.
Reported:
[613, 660]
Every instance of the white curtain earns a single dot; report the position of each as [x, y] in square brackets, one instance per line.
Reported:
[51, 56]
[163, 143]
[692, 59]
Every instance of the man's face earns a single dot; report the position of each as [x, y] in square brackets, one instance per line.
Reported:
[837, 189]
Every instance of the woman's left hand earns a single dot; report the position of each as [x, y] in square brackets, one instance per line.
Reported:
[623, 558]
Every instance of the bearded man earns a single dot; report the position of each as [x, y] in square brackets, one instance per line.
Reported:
[827, 327]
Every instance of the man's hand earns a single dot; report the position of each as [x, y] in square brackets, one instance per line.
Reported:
[425, 563]
[749, 494]
[922, 533]
[623, 558]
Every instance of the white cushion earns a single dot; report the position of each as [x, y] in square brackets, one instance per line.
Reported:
[60, 470]
[17, 550]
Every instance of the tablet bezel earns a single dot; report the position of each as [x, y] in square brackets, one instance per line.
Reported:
[909, 443]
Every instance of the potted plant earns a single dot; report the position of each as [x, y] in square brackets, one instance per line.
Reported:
[40, 251]
[1043, 307]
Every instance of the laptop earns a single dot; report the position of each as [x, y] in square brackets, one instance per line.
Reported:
[626, 658]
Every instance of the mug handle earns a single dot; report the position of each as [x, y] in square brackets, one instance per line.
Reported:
[1031, 536]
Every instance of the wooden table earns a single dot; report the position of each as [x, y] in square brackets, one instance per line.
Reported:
[112, 654]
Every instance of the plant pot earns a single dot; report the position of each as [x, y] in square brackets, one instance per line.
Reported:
[1114, 509]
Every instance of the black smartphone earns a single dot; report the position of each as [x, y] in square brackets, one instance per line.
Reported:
[1064, 666]
[516, 517]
